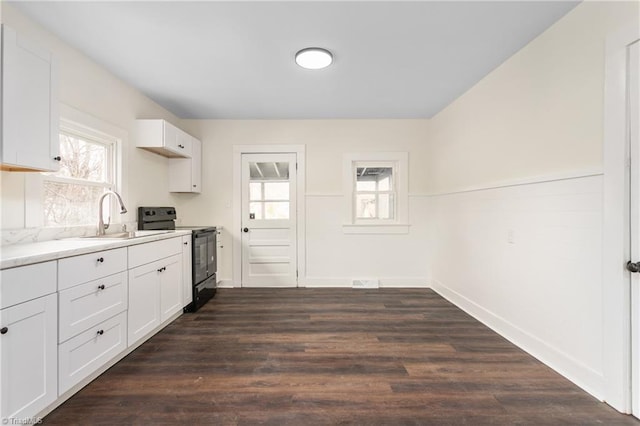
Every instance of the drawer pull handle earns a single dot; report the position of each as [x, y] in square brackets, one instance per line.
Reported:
[181, 146]
[101, 287]
[100, 332]
[57, 158]
[4, 330]
[164, 268]
[101, 259]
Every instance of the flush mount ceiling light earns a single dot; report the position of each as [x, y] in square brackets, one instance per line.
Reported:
[314, 58]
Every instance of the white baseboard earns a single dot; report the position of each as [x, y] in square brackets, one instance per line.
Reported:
[319, 282]
[589, 380]
[226, 283]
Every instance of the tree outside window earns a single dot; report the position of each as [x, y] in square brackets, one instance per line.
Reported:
[87, 170]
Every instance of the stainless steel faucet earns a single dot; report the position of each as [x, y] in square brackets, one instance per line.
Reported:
[101, 225]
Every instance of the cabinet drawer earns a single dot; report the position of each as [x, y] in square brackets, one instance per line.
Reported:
[25, 283]
[88, 267]
[90, 350]
[89, 304]
[150, 252]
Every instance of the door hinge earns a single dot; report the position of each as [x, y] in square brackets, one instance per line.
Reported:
[296, 273]
[296, 166]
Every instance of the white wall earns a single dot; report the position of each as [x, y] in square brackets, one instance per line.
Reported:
[537, 117]
[526, 260]
[86, 86]
[332, 257]
[539, 113]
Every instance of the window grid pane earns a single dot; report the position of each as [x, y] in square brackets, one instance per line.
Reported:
[375, 195]
[70, 196]
[84, 159]
[269, 199]
[67, 204]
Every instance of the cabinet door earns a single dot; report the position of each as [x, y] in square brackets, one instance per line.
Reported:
[170, 136]
[28, 357]
[219, 255]
[187, 281]
[196, 166]
[170, 287]
[29, 105]
[144, 299]
[185, 143]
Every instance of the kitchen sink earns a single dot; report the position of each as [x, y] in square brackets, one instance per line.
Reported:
[125, 235]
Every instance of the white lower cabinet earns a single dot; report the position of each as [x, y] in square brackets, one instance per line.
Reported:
[28, 357]
[88, 351]
[144, 301]
[171, 287]
[155, 294]
[62, 321]
[187, 278]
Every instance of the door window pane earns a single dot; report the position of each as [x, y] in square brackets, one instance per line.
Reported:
[269, 171]
[256, 209]
[276, 190]
[255, 191]
[277, 210]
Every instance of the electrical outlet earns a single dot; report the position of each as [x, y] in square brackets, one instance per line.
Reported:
[511, 236]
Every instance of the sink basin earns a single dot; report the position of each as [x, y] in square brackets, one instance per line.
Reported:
[125, 235]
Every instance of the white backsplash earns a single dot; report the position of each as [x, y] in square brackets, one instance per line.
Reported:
[34, 235]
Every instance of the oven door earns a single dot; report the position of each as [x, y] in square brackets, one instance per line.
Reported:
[200, 258]
[211, 254]
[203, 292]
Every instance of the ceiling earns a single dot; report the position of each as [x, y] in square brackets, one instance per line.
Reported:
[236, 59]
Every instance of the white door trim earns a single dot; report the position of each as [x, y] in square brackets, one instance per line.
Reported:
[615, 284]
[238, 150]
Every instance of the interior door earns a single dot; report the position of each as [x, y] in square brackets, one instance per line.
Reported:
[269, 220]
[634, 223]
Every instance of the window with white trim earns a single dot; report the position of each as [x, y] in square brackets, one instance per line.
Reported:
[89, 151]
[87, 170]
[376, 192]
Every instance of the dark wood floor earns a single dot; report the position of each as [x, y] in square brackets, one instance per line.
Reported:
[327, 356]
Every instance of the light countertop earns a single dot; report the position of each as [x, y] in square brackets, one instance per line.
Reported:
[27, 254]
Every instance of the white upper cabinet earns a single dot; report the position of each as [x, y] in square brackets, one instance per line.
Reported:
[163, 138]
[29, 138]
[185, 174]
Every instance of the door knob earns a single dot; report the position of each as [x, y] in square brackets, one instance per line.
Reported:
[245, 230]
[633, 267]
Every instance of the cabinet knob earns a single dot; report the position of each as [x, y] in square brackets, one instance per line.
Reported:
[181, 146]
[100, 332]
[186, 244]
[195, 186]
[58, 158]
[101, 287]
[100, 259]
[4, 330]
